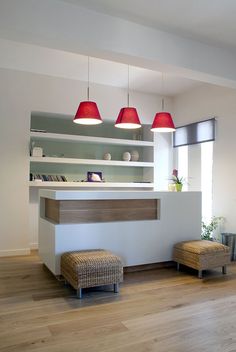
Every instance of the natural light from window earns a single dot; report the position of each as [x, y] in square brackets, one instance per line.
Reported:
[205, 176]
[183, 164]
[206, 179]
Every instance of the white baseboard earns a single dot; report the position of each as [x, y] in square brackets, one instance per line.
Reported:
[14, 252]
[34, 245]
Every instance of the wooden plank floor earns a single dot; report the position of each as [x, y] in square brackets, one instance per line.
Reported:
[158, 310]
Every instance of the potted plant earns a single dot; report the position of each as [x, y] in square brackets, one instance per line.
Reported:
[209, 229]
[177, 181]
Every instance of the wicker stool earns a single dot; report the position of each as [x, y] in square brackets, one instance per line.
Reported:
[89, 268]
[201, 255]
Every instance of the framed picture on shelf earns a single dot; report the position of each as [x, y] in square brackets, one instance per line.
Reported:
[94, 176]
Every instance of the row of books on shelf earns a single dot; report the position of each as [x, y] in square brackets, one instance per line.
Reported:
[52, 178]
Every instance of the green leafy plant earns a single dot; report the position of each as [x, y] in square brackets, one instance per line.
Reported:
[178, 180]
[208, 229]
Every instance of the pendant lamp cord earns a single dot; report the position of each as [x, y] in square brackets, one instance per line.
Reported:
[128, 88]
[88, 80]
[162, 92]
[162, 104]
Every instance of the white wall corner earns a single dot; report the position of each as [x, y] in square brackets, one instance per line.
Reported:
[163, 160]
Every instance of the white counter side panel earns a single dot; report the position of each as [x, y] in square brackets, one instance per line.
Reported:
[47, 244]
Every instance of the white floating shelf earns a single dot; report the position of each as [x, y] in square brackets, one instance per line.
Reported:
[89, 139]
[51, 160]
[44, 184]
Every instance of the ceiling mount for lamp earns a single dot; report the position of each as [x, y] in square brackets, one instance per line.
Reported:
[88, 113]
[163, 121]
[128, 116]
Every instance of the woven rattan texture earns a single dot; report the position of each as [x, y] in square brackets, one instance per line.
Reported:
[193, 254]
[202, 246]
[89, 268]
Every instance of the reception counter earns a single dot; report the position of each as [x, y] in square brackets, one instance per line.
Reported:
[139, 226]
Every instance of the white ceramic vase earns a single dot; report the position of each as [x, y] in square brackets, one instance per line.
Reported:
[134, 155]
[107, 156]
[126, 156]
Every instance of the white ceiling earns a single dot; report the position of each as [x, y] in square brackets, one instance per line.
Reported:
[209, 21]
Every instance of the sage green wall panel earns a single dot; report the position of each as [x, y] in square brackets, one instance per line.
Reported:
[58, 124]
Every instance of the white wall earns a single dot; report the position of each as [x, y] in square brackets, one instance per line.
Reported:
[23, 92]
[163, 158]
[206, 102]
[14, 127]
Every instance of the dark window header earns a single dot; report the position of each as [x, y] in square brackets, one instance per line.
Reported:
[197, 132]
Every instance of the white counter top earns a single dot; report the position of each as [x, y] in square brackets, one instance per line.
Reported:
[82, 194]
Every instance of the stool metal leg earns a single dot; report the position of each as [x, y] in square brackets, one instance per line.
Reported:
[200, 274]
[224, 270]
[79, 293]
[116, 288]
[66, 283]
[177, 267]
[233, 249]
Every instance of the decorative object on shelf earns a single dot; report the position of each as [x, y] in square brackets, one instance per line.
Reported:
[126, 156]
[177, 181]
[87, 113]
[94, 176]
[178, 187]
[163, 121]
[107, 156]
[37, 151]
[128, 116]
[171, 187]
[137, 135]
[134, 155]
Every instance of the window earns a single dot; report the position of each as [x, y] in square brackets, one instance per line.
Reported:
[194, 147]
[206, 179]
[183, 164]
[195, 163]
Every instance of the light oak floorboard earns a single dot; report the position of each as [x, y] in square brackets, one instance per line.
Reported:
[158, 310]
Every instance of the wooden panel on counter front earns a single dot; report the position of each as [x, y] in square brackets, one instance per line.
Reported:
[52, 210]
[89, 211]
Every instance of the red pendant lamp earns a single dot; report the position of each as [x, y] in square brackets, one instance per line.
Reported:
[163, 121]
[88, 113]
[128, 116]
